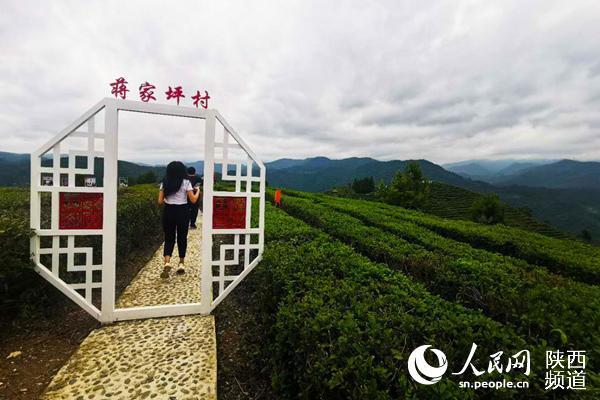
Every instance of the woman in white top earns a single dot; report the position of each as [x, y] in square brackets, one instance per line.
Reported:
[175, 191]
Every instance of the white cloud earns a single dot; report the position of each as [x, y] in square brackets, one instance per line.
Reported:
[444, 80]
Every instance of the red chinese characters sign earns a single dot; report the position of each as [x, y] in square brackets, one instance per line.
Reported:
[80, 211]
[146, 89]
[229, 213]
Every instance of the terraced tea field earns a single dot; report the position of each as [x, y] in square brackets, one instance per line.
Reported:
[347, 289]
[452, 202]
[360, 284]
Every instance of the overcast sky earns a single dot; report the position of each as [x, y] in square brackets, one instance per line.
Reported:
[441, 80]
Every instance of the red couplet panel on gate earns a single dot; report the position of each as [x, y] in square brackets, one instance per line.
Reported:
[80, 211]
[229, 212]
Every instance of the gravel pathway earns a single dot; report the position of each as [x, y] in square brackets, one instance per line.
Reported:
[170, 358]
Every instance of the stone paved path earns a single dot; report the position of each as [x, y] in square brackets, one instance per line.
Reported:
[148, 289]
[170, 358]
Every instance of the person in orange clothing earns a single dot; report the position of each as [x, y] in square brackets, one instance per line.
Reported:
[278, 198]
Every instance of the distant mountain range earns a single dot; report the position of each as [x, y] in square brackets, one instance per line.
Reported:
[311, 174]
[555, 174]
[14, 169]
[566, 193]
[492, 166]
[320, 173]
[563, 174]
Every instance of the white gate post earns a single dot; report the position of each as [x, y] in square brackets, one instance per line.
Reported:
[207, 216]
[109, 224]
[34, 206]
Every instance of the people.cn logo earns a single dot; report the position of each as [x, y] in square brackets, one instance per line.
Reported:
[420, 370]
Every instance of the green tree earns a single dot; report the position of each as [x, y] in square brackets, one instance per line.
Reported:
[409, 188]
[382, 190]
[488, 209]
[147, 177]
[364, 185]
[586, 235]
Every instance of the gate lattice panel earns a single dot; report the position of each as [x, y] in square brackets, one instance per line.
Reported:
[74, 240]
[72, 212]
[234, 207]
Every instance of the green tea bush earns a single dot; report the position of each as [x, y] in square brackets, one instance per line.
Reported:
[138, 226]
[577, 260]
[538, 305]
[138, 219]
[342, 326]
[16, 271]
[571, 258]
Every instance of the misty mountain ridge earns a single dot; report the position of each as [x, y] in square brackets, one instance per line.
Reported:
[517, 167]
[319, 174]
[495, 166]
[561, 174]
[322, 173]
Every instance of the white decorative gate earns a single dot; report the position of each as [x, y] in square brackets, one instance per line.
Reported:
[74, 185]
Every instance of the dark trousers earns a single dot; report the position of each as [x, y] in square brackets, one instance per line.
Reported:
[193, 208]
[176, 220]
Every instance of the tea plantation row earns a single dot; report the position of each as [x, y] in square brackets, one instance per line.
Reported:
[540, 306]
[447, 201]
[571, 258]
[343, 326]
